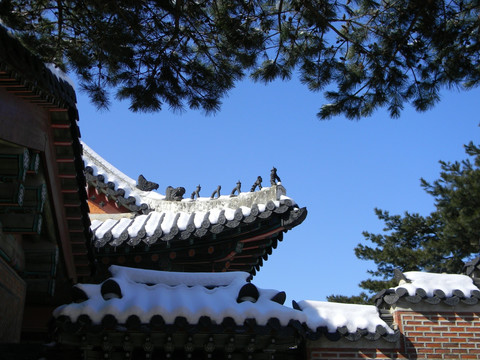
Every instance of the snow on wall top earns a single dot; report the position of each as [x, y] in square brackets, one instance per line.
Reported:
[335, 315]
[430, 282]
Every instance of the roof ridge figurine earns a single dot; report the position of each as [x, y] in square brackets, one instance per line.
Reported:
[237, 188]
[174, 194]
[145, 185]
[216, 192]
[196, 193]
[274, 177]
[257, 183]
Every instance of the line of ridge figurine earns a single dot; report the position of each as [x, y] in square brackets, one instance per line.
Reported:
[176, 194]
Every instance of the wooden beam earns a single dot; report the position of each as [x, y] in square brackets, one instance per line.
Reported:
[57, 198]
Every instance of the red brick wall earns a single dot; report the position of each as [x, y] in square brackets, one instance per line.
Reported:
[445, 335]
[424, 335]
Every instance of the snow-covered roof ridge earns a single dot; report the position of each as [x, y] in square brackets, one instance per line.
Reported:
[416, 286]
[148, 293]
[350, 320]
[102, 174]
[107, 178]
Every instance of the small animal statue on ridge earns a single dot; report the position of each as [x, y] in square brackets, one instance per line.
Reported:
[196, 193]
[145, 185]
[216, 192]
[174, 194]
[258, 183]
[237, 188]
[274, 177]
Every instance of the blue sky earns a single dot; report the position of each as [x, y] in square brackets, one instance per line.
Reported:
[339, 169]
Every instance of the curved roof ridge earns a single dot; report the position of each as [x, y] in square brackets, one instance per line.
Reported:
[101, 170]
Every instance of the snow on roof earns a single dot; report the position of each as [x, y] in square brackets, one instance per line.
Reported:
[146, 293]
[165, 225]
[111, 174]
[55, 70]
[335, 315]
[156, 201]
[430, 282]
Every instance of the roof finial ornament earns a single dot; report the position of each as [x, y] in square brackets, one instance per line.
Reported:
[174, 194]
[274, 177]
[145, 185]
[216, 192]
[258, 183]
[237, 188]
[196, 193]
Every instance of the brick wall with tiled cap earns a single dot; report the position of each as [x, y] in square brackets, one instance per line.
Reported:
[437, 316]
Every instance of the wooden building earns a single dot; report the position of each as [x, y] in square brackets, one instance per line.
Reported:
[44, 224]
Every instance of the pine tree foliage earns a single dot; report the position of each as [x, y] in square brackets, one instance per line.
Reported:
[439, 242]
[191, 52]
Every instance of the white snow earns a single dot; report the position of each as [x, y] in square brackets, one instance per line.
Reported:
[245, 210]
[431, 282]
[137, 224]
[167, 222]
[182, 221]
[173, 294]
[111, 174]
[179, 294]
[107, 225]
[152, 223]
[122, 225]
[169, 212]
[95, 224]
[335, 315]
[229, 214]
[60, 74]
[213, 216]
[199, 216]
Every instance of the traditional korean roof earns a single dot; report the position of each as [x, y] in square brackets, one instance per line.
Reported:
[195, 219]
[416, 287]
[234, 233]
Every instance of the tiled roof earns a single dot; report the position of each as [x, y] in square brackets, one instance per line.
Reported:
[107, 179]
[31, 78]
[173, 225]
[218, 302]
[416, 287]
[350, 321]
[210, 302]
[234, 233]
